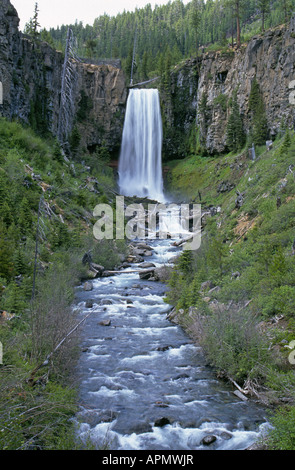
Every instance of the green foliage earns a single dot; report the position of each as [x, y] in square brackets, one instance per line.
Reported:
[259, 129]
[282, 434]
[74, 139]
[39, 416]
[235, 133]
[85, 105]
[233, 345]
[181, 29]
[221, 100]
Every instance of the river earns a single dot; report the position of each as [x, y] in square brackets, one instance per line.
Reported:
[144, 385]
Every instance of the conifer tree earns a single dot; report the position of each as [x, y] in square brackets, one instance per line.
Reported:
[237, 6]
[196, 18]
[6, 251]
[25, 216]
[259, 119]
[235, 132]
[264, 7]
[32, 26]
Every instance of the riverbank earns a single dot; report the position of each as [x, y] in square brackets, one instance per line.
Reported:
[236, 293]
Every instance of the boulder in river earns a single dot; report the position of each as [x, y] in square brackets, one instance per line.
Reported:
[88, 286]
[147, 273]
[106, 322]
[105, 302]
[208, 440]
[147, 265]
[161, 422]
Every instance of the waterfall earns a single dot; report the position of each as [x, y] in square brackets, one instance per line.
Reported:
[140, 164]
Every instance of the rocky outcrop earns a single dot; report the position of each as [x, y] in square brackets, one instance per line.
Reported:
[101, 97]
[201, 90]
[31, 71]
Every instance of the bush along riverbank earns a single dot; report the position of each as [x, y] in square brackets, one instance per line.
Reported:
[46, 225]
[236, 294]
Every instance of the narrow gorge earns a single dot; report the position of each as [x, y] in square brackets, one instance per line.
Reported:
[135, 342]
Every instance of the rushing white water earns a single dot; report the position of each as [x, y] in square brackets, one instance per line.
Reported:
[140, 164]
[142, 368]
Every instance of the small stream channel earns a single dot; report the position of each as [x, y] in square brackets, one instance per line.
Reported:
[144, 385]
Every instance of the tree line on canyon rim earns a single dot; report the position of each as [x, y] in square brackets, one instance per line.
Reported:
[169, 33]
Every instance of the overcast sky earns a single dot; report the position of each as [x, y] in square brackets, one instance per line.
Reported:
[54, 13]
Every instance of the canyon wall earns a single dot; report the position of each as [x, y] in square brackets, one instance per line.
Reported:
[270, 57]
[31, 71]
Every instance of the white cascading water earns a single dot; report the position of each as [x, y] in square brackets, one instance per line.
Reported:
[140, 164]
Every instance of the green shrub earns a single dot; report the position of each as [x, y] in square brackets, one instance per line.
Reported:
[232, 343]
[282, 435]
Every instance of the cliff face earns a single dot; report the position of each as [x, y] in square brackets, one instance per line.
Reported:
[31, 76]
[100, 105]
[270, 57]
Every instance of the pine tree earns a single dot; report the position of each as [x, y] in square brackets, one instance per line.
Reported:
[25, 217]
[237, 6]
[259, 119]
[20, 266]
[6, 214]
[32, 26]
[196, 18]
[264, 7]
[235, 132]
[36, 24]
[6, 253]
[286, 6]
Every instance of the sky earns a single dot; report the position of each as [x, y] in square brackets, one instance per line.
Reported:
[54, 13]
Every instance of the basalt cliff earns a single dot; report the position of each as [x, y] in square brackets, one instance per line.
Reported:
[31, 77]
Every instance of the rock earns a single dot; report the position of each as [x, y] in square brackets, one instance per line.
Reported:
[226, 435]
[181, 376]
[213, 291]
[144, 246]
[146, 274]
[208, 440]
[91, 274]
[161, 422]
[106, 274]
[88, 286]
[207, 285]
[125, 265]
[163, 348]
[97, 267]
[147, 265]
[148, 253]
[236, 275]
[140, 428]
[225, 186]
[89, 303]
[161, 404]
[105, 302]
[239, 200]
[105, 322]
